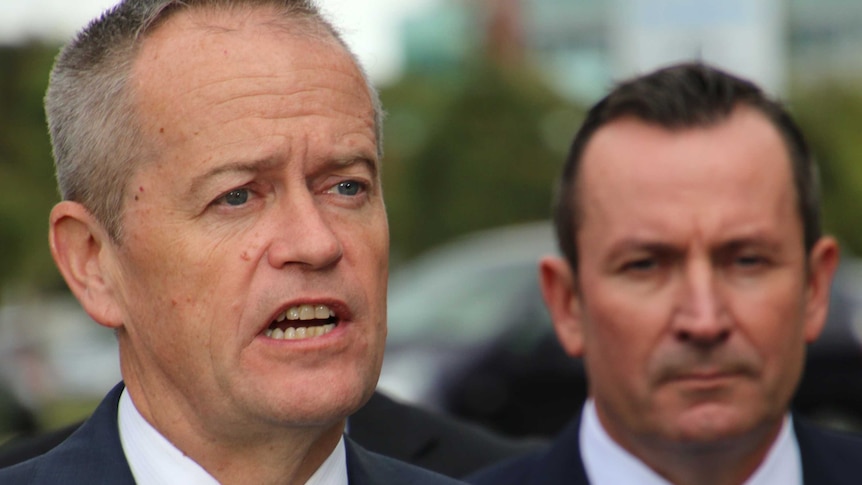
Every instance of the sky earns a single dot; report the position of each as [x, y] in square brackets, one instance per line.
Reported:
[370, 27]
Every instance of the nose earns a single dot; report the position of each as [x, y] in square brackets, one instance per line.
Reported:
[303, 236]
[701, 318]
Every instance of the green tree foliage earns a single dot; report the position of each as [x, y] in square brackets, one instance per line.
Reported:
[831, 118]
[27, 187]
[471, 150]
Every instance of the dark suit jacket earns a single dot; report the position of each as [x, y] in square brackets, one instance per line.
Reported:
[93, 455]
[828, 458]
[430, 440]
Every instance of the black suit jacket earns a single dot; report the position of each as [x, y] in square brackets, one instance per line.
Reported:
[430, 440]
[828, 458]
[93, 455]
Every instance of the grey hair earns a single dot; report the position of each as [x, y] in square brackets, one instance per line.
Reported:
[95, 134]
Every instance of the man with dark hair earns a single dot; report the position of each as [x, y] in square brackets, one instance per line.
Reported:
[219, 162]
[694, 274]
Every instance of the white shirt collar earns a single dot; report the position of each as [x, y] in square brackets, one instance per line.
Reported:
[155, 461]
[607, 463]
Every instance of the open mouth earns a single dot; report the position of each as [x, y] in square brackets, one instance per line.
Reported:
[302, 322]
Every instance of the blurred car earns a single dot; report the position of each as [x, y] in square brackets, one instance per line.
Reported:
[469, 335]
[50, 350]
[15, 418]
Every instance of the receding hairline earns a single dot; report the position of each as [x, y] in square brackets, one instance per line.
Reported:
[583, 190]
[212, 17]
[94, 127]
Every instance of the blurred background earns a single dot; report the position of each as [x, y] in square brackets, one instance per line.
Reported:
[483, 97]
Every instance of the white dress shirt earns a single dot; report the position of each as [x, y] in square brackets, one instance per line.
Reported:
[155, 461]
[607, 463]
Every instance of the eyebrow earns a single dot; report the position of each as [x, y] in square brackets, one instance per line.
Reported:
[757, 239]
[257, 166]
[268, 164]
[633, 244]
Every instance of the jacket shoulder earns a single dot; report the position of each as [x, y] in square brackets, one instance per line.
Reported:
[368, 468]
[828, 456]
[514, 471]
[558, 463]
[91, 455]
[430, 440]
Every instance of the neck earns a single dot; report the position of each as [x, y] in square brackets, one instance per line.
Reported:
[292, 462]
[728, 461]
[237, 453]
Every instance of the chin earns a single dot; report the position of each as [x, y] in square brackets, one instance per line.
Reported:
[321, 404]
[715, 425]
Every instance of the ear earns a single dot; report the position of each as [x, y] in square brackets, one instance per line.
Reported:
[83, 253]
[559, 290]
[822, 263]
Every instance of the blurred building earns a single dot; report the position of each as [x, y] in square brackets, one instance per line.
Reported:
[582, 46]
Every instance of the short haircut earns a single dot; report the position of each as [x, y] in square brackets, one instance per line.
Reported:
[95, 135]
[678, 97]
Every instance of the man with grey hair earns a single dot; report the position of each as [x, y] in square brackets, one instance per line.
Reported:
[219, 163]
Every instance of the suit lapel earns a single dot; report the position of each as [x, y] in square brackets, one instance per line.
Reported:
[363, 468]
[367, 468]
[93, 454]
[364, 427]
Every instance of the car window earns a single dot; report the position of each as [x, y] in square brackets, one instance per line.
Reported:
[460, 304]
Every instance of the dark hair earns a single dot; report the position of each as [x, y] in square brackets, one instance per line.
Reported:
[688, 95]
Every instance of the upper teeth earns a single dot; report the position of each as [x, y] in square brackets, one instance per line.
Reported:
[306, 312]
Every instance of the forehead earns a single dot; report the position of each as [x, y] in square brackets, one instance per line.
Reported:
[737, 170]
[197, 67]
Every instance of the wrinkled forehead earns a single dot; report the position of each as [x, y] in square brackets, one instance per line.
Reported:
[225, 18]
[198, 61]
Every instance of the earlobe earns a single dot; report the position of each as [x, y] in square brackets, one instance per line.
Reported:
[79, 245]
[560, 293]
[822, 263]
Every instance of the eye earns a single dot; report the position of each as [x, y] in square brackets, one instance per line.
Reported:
[348, 187]
[640, 265]
[750, 261]
[235, 197]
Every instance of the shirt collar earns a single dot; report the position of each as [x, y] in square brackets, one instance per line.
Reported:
[607, 463]
[156, 461]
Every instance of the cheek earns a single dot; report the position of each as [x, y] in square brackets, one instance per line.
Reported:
[773, 319]
[621, 320]
[615, 347]
[367, 246]
[622, 333]
[179, 280]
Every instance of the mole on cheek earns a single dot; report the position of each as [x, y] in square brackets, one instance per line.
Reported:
[245, 256]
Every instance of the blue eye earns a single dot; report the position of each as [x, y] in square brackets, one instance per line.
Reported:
[236, 197]
[350, 187]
